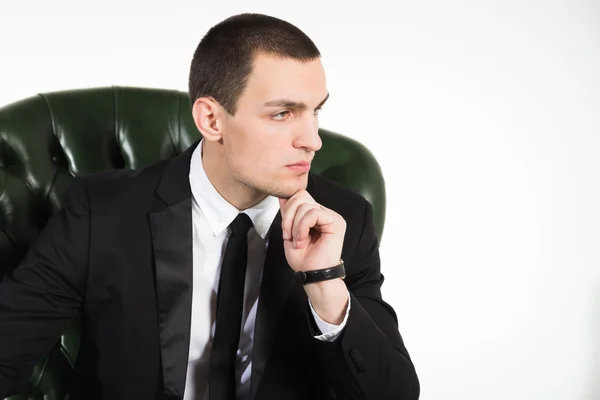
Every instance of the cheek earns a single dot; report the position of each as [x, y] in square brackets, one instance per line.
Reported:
[265, 143]
[258, 146]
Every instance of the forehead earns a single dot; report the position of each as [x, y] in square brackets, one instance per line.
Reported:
[276, 77]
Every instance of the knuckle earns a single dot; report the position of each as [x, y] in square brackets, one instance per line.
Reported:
[314, 211]
[306, 207]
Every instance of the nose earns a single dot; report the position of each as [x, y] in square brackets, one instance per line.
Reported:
[307, 135]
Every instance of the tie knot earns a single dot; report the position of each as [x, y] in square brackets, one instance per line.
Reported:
[241, 224]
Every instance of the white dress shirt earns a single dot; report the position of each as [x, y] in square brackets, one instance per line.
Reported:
[211, 215]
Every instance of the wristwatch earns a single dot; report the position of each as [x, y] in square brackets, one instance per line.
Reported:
[320, 275]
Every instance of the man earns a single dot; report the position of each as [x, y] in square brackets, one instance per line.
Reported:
[220, 273]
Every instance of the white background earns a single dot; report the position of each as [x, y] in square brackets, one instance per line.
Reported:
[485, 117]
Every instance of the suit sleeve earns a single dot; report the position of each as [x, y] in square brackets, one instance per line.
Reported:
[42, 295]
[369, 359]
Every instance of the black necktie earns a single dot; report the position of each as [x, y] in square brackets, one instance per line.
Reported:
[230, 300]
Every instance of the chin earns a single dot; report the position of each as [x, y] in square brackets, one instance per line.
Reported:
[287, 188]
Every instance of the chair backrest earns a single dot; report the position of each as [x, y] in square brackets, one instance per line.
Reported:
[46, 140]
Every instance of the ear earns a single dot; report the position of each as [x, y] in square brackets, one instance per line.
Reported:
[208, 114]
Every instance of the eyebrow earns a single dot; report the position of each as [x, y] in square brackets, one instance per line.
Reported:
[292, 104]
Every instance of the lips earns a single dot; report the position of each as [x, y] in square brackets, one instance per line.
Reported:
[301, 166]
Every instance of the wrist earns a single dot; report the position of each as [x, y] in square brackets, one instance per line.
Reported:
[329, 299]
[320, 275]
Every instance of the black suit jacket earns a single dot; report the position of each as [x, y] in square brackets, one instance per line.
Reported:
[120, 252]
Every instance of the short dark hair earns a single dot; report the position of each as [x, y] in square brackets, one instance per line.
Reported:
[224, 57]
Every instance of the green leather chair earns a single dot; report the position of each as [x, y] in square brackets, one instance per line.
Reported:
[46, 140]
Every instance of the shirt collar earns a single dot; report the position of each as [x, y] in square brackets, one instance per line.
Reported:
[219, 212]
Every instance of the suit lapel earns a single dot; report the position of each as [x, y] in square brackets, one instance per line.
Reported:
[172, 241]
[171, 230]
[279, 292]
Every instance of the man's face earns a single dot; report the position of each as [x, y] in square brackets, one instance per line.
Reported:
[272, 138]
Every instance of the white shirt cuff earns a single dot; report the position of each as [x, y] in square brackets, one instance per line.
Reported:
[330, 332]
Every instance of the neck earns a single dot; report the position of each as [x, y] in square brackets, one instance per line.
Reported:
[237, 194]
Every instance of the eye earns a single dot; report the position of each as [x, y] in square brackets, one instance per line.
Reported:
[317, 110]
[280, 116]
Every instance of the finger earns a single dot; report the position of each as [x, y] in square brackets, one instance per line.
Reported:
[302, 228]
[300, 213]
[315, 218]
[289, 211]
[287, 217]
[284, 203]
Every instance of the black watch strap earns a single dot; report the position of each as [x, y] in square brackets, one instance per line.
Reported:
[320, 275]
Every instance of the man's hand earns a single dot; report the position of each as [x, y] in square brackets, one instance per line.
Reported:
[313, 235]
[313, 239]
